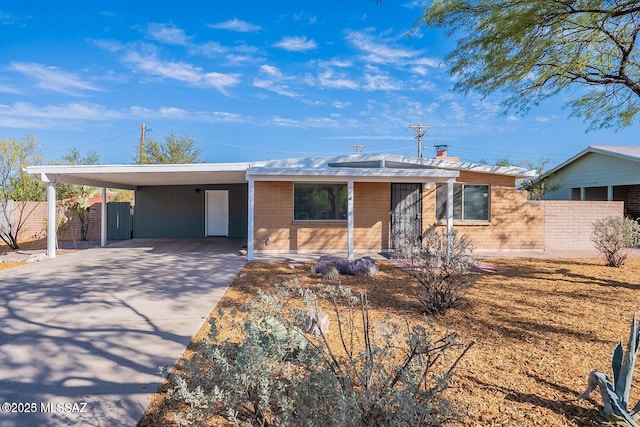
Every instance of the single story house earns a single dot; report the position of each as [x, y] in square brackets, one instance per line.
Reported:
[344, 203]
[599, 173]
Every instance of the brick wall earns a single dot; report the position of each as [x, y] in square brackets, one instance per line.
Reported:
[35, 224]
[274, 220]
[568, 225]
[632, 202]
[514, 223]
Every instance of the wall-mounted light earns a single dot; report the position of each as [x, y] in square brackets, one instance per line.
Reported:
[198, 190]
[267, 242]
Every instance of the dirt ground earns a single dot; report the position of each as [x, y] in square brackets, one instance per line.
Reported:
[539, 327]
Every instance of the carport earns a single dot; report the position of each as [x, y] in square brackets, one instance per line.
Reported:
[167, 192]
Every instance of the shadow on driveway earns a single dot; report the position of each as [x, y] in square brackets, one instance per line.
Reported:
[93, 326]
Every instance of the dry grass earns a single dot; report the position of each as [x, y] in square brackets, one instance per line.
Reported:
[540, 327]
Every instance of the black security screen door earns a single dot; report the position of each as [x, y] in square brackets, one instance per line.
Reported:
[406, 213]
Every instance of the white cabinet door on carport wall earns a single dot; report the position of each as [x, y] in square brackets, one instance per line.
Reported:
[217, 212]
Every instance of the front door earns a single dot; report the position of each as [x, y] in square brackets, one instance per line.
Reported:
[406, 214]
[217, 217]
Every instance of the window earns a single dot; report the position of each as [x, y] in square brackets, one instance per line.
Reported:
[320, 202]
[470, 202]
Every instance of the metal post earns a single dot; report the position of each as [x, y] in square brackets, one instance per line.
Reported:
[350, 221]
[51, 219]
[103, 217]
[449, 216]
[250, 230]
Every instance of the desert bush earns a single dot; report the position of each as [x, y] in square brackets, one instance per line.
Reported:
[379, 374]
[613, 235]
[442, 264]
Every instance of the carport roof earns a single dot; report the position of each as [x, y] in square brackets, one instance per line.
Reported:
[133, 176]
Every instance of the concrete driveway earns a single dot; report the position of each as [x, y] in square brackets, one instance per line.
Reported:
[82, 336]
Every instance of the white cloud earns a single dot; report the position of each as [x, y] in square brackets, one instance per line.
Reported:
[180, 71]
[375, 80]
[169, 34]
[342, 104]
[209, 49]
[272, 79]
[330, 80]
[296, 44]
[73, 115]
[53, 78]
[236, 25]
[385, 51]
[27, 115]
[8, 89]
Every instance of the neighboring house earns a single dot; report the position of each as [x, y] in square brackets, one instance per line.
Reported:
[343, 203]
[599, 173]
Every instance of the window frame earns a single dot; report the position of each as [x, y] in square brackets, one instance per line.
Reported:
[342, 185]
[459, 210]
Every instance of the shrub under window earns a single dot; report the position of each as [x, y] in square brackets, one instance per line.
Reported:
[470, 202]
[320, 202]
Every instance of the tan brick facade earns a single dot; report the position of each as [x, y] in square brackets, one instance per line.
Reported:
[35, 223]
[274, 220]
[514, 222]
[569, 224]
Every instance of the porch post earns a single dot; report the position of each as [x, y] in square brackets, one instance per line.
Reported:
[450, 206]
[103, 217]
[609, 193]
[582, 193]
[250, 231]
[350, 220]
[51, 219]
[449, 215]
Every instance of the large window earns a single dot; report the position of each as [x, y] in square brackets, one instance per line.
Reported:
[320, 202]
[470, 202]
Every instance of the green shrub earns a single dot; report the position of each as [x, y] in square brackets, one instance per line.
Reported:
[443, 266]
[380, 374]
[613, 235]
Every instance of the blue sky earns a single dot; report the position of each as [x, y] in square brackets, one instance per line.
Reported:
[255, 80]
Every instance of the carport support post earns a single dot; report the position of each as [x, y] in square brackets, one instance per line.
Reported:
[51, 219]
[350, 220]
[103, 217]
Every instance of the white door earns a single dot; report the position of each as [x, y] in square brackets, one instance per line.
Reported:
[217, 216]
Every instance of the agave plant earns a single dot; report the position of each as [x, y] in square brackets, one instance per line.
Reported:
[615, 395]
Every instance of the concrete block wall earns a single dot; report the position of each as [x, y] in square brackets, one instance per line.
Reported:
[568, 225]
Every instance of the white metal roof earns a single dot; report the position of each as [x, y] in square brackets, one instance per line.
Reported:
[367, 167]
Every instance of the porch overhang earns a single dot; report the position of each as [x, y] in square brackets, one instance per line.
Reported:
[350, 174]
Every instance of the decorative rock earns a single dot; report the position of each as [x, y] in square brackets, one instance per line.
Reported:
[365, 266]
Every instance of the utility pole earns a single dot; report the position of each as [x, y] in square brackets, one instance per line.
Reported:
[420, 129]
[141, 156]
[357, 147]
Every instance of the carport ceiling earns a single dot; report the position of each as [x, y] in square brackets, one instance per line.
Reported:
[133, 176]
